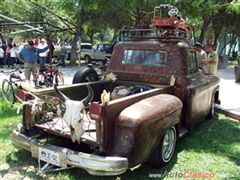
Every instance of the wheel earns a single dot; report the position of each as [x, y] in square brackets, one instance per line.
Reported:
[165, 149]
[8, 92]
[58, 79]
[87, 59]
[105, 60]
[41, 79]
[85, 74]
[212, 110]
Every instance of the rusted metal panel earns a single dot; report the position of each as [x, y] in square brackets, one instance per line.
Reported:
[149, 74]
[142, 125]
[113, 109]
[198, 94]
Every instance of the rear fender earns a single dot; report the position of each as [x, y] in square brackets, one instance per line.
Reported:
[140, 126]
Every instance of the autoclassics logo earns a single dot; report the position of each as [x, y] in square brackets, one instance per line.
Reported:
[185, 175]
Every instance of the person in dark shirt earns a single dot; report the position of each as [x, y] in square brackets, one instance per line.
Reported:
[63, 54]
[29, 57]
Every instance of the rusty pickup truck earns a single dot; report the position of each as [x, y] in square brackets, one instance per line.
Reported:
[153, 94]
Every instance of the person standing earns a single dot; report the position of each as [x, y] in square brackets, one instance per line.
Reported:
[43, 55]
[63, 54]
[212, 60]
[29, 57]
[13, 55]
[201, 57]
[51, 50]
[1, 56]
[8, 58]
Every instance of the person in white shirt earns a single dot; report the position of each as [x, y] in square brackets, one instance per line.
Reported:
[201, 57]
[42, 56]
[1, 56]
[212, 59]
[13, 55]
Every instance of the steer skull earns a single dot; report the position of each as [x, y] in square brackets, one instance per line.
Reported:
[73, 115]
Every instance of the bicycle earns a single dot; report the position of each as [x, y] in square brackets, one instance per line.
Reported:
[10, 87]
[49, 77]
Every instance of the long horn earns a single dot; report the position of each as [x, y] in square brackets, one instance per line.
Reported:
[60, 94]
[89, 97]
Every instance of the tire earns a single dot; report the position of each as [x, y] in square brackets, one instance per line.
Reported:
[8, 92]
[212, 110]
[165, 149]
[58, 79]
[104, 61]
[87, 59]
[41, 80]
[85, 74]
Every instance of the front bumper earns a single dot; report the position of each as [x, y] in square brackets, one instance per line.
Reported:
[93, 164]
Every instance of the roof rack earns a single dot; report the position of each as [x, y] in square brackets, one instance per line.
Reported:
[156, 33]
[166, 24]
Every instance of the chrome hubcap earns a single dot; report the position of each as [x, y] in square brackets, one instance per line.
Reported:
[168, 144]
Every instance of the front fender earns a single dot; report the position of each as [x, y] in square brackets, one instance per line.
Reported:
[140, 126]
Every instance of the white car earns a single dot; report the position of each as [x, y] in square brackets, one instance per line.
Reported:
[99, 52]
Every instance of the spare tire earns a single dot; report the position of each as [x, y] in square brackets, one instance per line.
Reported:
[85, 74]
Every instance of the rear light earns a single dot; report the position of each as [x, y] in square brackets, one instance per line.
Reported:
[95, 111]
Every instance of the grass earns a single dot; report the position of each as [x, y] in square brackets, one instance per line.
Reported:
[232, 63]
[213, 147]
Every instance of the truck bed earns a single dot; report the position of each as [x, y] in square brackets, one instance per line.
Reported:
[110, 111]
[59, 127]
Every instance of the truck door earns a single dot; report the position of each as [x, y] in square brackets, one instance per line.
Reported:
[198, 92]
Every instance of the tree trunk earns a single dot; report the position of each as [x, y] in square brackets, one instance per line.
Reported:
[217, 32]
[77, 36]
[115, 37]
[206, 22]
[90, 35]
[138, 16]
[225, 45]
[231, 44]
[51, 48]
[235, 45]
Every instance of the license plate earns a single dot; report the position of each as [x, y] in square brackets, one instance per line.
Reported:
[49, 156]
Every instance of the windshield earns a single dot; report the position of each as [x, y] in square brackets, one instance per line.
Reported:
[145, 58]
[86, 47]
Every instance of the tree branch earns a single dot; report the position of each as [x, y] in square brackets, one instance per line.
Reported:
[67, 23]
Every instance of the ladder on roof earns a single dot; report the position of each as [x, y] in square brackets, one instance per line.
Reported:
[156, 33]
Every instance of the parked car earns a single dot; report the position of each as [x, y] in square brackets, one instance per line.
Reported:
[99, 52]
[84, 46]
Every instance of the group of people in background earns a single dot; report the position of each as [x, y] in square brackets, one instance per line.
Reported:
[207, 61]
[29, 56]
[8, 55]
